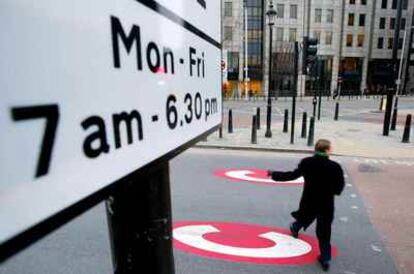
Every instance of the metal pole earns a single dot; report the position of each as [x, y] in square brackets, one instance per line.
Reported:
[268, 133]
[258, 117]
[295, 89]
[286, 121]
[398, 82]
[246, 77]
[292, 127]
[336, 111]
[230, 125]
[140, 223]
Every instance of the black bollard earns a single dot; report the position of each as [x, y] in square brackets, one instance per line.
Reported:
[381, 104]
[311, 131]
[336, 111]
[292, 124]
[221, 132]
[407, 129]
[230, 125]
[285, 121]
[304, 122]
[394, 114]
[254, 133]
[319, 106]
[387, 115]
[258, 118]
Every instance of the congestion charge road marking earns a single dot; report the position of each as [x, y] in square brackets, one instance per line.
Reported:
[245, 243]
[253, 175]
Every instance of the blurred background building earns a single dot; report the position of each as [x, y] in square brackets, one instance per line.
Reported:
[356, 41]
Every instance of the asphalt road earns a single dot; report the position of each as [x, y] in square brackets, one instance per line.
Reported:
[82, 246]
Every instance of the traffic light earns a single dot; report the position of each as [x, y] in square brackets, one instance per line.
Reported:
[309, 52]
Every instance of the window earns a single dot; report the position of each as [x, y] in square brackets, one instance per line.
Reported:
[362, 20]
[292, 35]
[228, 31]
[360, 40]
[384, 4]
[352, 2]
[380, 43]
[280, 10]
[392, 23]
[317, 35]
[403, 23]
[233, 61]
[405, 4]
[351, 17]
[382, 23]
[400, 43]
[318, 15]
[394, 4]
[279, 34]
[390, 42]
[363, 2]
[328, 38]
[349, 39]
[329, 16]
[294, 11]
[228, 8]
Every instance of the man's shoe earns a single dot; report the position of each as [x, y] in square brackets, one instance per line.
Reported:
[293, 232]
[324, 264]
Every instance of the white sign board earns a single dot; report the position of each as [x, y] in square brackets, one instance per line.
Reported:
[93, 90]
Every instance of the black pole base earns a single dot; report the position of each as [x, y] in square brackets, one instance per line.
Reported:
[140, 223]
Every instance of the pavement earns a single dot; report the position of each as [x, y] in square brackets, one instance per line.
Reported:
[360, 137]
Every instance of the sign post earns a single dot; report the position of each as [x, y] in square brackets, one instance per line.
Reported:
[97, 97]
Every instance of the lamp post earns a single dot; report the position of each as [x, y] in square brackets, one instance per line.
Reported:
[271, 15]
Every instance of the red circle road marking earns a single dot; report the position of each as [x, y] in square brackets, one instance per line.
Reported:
[253, 175]
[245, 243]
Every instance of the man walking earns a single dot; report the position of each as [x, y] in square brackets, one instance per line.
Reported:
[323, 179]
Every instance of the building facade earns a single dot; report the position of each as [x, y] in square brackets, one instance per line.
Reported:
[355, 50]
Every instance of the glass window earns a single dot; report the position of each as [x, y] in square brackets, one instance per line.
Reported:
[384, 4]
[233, 60]
[292, 35]
[403, 23]
[351, 18]
[349, 38]
[352, 2]
[360, 40]
[363, 2]
[317, 35]
[382, 23]
[279, 34]
[294, 11]
[329, 16]
[318, 15]
[328, 38]
[362, 20]
[228, 33]
[380, 43]
[392, 23]
[394, 4]
[400, 43]
[405, 4]
[228, 8]
[280, 10]
[390, 42]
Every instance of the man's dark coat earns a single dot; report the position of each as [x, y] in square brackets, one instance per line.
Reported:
[323, 179]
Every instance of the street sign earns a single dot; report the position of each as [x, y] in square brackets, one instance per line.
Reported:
[94, 90]
[253, 176]
[245, 243]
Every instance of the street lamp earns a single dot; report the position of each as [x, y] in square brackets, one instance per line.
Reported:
[271, 15]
